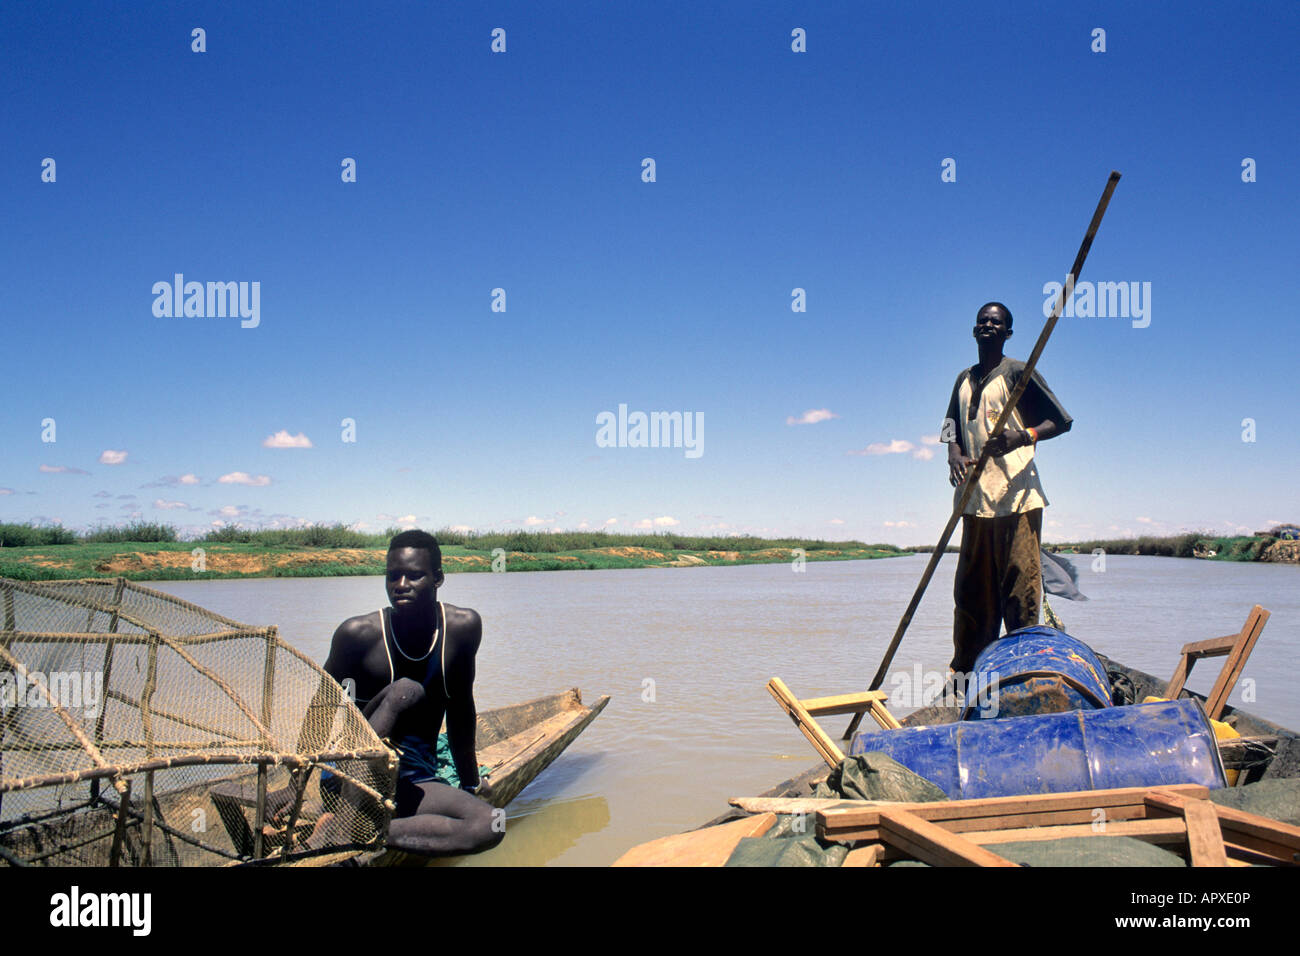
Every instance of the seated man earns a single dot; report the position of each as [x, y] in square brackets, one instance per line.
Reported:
[411, 665]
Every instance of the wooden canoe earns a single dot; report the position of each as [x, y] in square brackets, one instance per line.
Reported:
[520, 741]
[517, 743]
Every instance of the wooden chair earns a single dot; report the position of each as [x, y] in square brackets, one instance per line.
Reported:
[1236, 647]
[805, 712]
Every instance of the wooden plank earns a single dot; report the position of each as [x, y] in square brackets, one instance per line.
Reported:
[1043, 819]
[1204, 839]
[1250, 851]
[1214, 647]
[842, 703]
[1169, 830]
[1236, 663]
[883, 717]
[1176, 682]
[933, 844]
[862, 822]
[803, 804]
[821, 742]
[708, 847]
[1241, 831]
[864, 856]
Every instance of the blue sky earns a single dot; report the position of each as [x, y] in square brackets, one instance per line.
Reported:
[522, 170]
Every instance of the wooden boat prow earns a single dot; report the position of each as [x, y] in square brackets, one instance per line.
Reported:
[518, 742]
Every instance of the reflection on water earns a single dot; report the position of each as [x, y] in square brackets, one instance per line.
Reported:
[709, 639]
[539, 831]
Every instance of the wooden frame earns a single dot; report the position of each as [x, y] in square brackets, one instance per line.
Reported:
[1236, 647]
[959, 832]
[804, 713]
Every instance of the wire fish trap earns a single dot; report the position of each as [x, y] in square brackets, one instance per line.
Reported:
[138, 729]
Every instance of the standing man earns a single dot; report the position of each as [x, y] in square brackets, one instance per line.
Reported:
[998, 575]
[411, 664]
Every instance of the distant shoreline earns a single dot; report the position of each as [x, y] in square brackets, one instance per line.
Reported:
[176, 561]
[335, 552]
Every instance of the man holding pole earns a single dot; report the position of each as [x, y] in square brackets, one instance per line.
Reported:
[998, 573]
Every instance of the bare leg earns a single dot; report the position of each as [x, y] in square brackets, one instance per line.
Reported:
[387, 707]
[435, 819]
[446, 822]
[387, 712]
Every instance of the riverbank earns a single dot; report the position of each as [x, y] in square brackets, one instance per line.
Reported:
[153, 552]
[189, 561]
[1259, 547]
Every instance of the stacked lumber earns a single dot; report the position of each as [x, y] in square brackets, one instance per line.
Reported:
[967, 832]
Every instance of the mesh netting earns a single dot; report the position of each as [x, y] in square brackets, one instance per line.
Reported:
[138, 729]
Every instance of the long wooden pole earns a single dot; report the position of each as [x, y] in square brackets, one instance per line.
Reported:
[1018, 391]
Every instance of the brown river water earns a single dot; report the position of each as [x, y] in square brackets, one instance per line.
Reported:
[685, 654]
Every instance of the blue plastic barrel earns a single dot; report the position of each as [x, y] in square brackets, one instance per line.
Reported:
[1144, 745]
[1036, 670]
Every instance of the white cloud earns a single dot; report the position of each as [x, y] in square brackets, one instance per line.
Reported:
[812, 417]
[461, 528]
[162, 505]
[62, 470]
[663, 521]
[1145, 521]
[6, 491]
[898, 446]
[924, 454]
[610, 521]
[899, 524]
[111, 457]
[533, 521]
[244, 478]
[929, 439]
[231, 511]
[282, 439]
[837, 521]
[188, 480]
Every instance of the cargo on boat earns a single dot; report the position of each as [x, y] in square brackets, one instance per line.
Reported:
[1097, 763]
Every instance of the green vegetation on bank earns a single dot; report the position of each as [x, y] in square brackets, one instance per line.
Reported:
[150, 551]
[146, 552]
[1193, 545]
[341, 536]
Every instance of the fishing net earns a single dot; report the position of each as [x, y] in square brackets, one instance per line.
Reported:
[138, 729]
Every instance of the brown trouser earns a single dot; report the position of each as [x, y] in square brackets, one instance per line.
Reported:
[998, 580]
